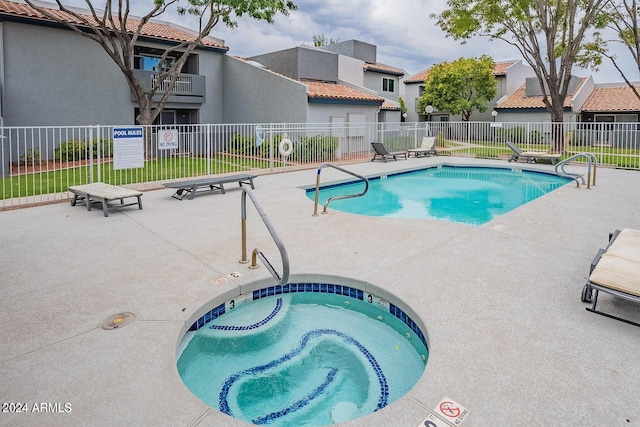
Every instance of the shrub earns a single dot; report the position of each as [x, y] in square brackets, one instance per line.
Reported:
[246, 146]
[313, 148]
[518, 134]
[503, 134]
[102, 146]
[31, 157]
[535, 137]
[79, 150]
[71, 150]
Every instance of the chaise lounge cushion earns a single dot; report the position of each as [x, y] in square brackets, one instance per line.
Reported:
[626, 245]
[618, 274]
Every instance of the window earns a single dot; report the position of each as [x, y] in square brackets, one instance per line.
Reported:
[387, 85]
[149, 59]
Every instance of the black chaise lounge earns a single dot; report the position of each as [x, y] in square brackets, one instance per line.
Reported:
[190, 187]
[383, 154]
[616, 271]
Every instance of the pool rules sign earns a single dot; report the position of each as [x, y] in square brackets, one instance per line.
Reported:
[128, 148]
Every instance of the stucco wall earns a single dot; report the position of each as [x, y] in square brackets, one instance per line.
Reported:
[322, 113]
[316, 64]
[410, 93]
[350, 70]
[373, 81]
[284, 61]
[302, 62]
[254, 95]
[57, 77]
[355, 49]
[211, 66]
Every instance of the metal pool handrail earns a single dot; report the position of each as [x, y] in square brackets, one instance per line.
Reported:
[346, 196]
[256, 252]
[591, 159]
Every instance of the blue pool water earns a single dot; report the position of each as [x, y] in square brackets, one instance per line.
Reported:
[469, 195]
[303, 357]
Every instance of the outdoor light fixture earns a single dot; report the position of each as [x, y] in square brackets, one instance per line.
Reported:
[428, 110]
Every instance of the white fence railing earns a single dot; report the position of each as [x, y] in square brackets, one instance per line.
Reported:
[38, 164]
[182, 84]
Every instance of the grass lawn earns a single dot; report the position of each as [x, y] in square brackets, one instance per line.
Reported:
[56, 181]
[609, 156]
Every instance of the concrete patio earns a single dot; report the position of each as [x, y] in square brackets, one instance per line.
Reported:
[509, 338]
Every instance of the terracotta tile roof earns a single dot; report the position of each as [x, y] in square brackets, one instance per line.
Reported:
[336, 91]
[390, 105]
[154, 29]
[417, 78]
[519, 99]
[612, 99]
[499, 70]
[382, 68]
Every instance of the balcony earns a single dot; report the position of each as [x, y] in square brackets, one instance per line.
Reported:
[189, 88]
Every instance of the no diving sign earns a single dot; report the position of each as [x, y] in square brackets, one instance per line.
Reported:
[168, 139]
[451, 411]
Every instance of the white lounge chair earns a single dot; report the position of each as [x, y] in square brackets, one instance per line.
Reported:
[531, 156]
[427, 148]
[616, 271]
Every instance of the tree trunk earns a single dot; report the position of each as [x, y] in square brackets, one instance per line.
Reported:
[557, 126]
[145, 119]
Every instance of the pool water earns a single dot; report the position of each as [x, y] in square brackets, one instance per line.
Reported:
[303, 359]
[468, 195]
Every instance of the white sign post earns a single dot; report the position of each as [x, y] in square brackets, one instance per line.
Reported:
[168, 139]
[128, 148]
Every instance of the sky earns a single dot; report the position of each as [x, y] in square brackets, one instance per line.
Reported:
[405, 35]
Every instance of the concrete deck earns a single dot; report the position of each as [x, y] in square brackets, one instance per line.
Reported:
[509, 337]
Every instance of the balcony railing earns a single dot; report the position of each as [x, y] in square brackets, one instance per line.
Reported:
[189, 88]
[182, 85]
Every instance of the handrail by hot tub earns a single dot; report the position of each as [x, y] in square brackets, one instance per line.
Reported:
[282, 280]
[330, 199]
[591, 160]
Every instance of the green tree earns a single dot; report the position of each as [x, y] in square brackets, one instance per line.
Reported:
[117, 33]
[621, 18]
[460, 87]
[320, 40]
[403, 107]
[550, 36]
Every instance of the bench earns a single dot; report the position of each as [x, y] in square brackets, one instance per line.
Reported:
[99, 192]
[616, 271]
[189, 188]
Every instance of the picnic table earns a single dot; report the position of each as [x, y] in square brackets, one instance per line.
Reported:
[190, 187]
[99, 192]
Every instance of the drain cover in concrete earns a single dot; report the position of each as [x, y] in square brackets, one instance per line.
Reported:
[117, 321]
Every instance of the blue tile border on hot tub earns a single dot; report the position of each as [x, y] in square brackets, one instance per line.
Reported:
[312, 287]
[309, 287]
[214, 313]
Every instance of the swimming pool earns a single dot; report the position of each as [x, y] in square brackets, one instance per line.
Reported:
[468, 195]
[305, 354]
